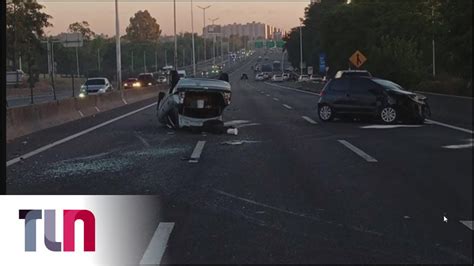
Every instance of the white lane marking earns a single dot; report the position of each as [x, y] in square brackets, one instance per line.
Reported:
[468, 224]
[445, 95]
[309, 120]
[247, 125]
[123, 100]
[80, 113]
[358, 151]
[235, 122]
[157, 246]
[292, 89]
[97, 108]
[59, 142]
[268, 95]
[390, 126]
[449, 126]
[461, 146]
[276, 99]
[287, 106]
[197, 152]
[145, 143]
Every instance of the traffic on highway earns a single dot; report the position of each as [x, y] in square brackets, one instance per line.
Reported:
[265, 144]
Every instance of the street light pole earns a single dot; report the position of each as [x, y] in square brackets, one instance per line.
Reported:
[214, 42]
[175, 38]
[204, 29]
[192, 38]
[301, 48]
[118, 52]
[434, 43]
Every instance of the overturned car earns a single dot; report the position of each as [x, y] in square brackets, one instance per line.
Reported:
[194, 102]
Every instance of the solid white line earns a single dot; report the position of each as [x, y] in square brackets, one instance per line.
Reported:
[97, 108]
[158, 244]
[287, 106]
[292, 89]
[59, 142]
[268, 95]
[467, 223]
[358, 151]
[449, 126]
[461, 146]
[276, 99]
[123, 100]
[197, 152]
[82, 115]
[445, 95]
[311, 121]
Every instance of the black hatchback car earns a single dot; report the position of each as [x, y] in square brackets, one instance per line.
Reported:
[382, 99]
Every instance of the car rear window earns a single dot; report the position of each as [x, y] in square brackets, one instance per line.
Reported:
[338, 85]
[92, 82]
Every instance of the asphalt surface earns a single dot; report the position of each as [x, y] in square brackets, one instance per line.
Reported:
[287, 189]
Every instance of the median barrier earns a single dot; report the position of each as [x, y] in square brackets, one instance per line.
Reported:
[25, 120]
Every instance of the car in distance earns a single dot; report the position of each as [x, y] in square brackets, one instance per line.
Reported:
[147, 79]
[260, 77]
[182, 73]
[162, 79]
[379, 98]
[95, 86]
[278, 78]
[286, 76]
[352, 73]
[131, 83]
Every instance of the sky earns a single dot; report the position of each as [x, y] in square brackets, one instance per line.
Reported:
[101, 14]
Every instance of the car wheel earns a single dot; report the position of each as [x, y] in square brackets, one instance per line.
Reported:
[326, 113]
[388, 115]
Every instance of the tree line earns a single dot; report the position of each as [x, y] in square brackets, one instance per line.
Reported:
[396, 37]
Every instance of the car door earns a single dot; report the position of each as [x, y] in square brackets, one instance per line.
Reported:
[337, 94]
[362, 95]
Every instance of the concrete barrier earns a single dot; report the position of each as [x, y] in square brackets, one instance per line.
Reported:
[25, 120]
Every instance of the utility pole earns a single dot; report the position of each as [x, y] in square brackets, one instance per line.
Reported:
[166, 57]
[204, 29]
[118, 52]
[214, 42]
[184, 57]
[156, 61]
[301, 46]
[144, 62]
[434, 43]
[133, 70]
[98, 59]
[192, 38]
[175, 38]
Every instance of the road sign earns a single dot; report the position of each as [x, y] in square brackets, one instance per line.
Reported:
[259, 44]
[270, 44]
[71, 39]
[358, 59]
[280, 44]
[322, 63]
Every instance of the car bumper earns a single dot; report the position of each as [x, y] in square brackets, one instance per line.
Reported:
[185, 121]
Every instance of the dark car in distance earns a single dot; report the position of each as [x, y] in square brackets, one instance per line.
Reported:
[379, 98]
[131, 83]
[147, 79]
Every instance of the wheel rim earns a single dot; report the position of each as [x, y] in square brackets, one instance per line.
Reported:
[325, 112]
[388, 114]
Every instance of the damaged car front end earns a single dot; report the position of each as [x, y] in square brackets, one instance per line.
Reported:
[194, 103]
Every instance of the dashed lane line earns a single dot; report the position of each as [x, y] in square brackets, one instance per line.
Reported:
[196, 155]
[309, 120]
[468, 224]
[358, 151]
[287, 107]
[449, 126]
[157, 246]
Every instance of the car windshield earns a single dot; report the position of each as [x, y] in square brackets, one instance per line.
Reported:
[92, 82]
[389, 85]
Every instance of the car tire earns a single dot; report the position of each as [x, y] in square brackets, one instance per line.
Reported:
[326, 113]
[388, 114]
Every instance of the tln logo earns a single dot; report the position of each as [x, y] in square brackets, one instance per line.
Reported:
[70, 217]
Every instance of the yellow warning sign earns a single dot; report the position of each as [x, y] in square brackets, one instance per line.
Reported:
[358, 59]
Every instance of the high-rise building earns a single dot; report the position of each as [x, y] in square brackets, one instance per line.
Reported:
[253, 30]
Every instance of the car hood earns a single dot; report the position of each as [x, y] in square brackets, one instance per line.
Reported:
[93, 87]
[408, 93]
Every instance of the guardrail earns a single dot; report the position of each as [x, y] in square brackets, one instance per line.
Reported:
[25, 120]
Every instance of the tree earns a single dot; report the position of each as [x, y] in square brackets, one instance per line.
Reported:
[25, 24]
[83, 28]
[143, 28]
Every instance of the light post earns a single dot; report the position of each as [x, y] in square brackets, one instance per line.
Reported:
[175, 38]
[192, 38]
[301, 46]
[118, 52]
[433, 43]
[214, 42]
[204, 29]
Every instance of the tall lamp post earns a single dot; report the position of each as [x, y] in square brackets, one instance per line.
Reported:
[118, 52]
[214, 42]
[301, 46]
[204, 29]
[192, 39]
[175, 38]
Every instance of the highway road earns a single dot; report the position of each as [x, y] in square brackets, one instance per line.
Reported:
[286, 189]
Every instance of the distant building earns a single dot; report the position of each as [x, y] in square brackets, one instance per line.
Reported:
[254, 31]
